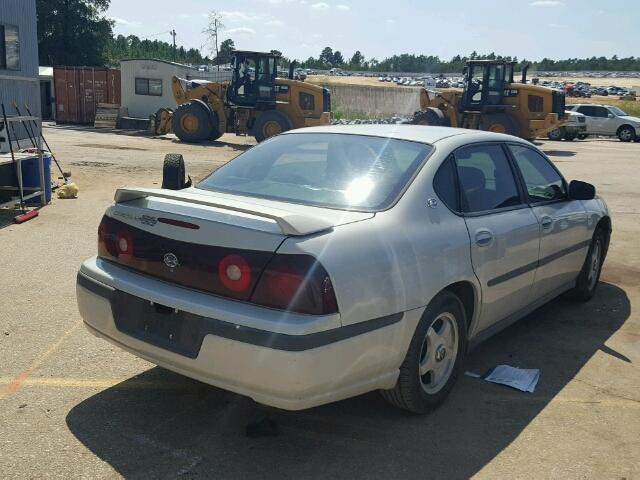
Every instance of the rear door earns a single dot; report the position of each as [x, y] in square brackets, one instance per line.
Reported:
[563, 222]
[503, 230]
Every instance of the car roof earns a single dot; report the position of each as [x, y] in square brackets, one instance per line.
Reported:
[415, 133]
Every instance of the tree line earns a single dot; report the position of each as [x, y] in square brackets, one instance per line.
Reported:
[406, 62]
[77, 32]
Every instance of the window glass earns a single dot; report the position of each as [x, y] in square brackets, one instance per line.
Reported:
[332, 170]
[587, 110]
[142, 86]
[444, 184]
[617, 111]
[307, 102]
[601, 112]
[155, 87]
[542, 180]
[12, 47]
[148, 86]
[536, 103]
[3, 56]
[486, 179]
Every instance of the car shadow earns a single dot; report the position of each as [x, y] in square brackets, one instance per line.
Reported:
[161, 425]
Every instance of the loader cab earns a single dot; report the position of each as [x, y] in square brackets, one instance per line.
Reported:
[485, 82]
[254, 79]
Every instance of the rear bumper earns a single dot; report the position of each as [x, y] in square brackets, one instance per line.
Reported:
[285, 370]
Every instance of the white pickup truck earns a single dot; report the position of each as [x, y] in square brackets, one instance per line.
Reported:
[576, 127]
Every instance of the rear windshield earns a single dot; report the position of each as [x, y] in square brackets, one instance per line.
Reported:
[325, 169]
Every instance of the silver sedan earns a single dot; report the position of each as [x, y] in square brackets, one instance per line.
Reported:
[328, 262]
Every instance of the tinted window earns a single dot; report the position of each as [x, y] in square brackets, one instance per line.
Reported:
[444, 184]
[486, 179]
[587, 110]
[536, 103]
[148, 86]
[325, 169]
[307, 102]
[601, 112]
[542, 180]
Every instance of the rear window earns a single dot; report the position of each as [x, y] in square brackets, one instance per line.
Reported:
[325, 169]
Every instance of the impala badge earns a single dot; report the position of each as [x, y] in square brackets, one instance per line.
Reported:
[170, 260]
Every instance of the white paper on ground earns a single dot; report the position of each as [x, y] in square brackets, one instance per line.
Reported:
[520, 378]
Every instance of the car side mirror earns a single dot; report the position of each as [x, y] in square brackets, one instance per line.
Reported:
[611, 115]
[581, 190]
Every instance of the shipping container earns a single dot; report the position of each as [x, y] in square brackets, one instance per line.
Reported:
[78, 90]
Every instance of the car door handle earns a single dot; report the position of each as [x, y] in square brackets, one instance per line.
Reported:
[546, 222]
[484, 238]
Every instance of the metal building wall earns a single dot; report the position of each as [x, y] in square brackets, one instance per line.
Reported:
[21, 86]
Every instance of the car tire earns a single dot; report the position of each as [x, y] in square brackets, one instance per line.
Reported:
[441, 336]
[556, 135]
[500, 123]
[174, 172]
[582, 136]
[269, 124]
[191, 122]
[570, 137]
[589, 276]
[626, 133]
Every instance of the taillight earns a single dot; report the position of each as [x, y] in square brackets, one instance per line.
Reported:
[297, 283]
[235, 273]
[110, 244]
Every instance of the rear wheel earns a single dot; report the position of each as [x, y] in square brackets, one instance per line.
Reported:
[556, 135]
[269, 124]
[582, 136]
[431, 116]
[191, 122]
[500, 123]
[626, 133]
[435, 356]
[215, 128]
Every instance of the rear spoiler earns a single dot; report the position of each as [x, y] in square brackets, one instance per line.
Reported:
[289, 223]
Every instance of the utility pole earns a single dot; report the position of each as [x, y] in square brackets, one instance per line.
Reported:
[173, 34]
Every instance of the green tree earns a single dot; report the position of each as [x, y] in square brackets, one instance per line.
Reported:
[326, 57]
[226, 52]
[357, 60]
[337, 59]
[73, 32]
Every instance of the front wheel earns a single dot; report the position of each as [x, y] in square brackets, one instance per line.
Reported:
[435, 356]
[556, 135]
[589, 276]
[626, 134]
[270, 124]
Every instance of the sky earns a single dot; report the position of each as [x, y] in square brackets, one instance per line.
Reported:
[531, 29]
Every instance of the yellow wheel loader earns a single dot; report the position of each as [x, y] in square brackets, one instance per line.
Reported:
[491, 100]
[255, 102]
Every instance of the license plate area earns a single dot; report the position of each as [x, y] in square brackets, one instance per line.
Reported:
[159, 325]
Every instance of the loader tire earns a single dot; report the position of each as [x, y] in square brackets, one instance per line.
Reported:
[500, 123]
[269, 124]
[174, 172]
[215, 133]
[431, 116]
[191, 122]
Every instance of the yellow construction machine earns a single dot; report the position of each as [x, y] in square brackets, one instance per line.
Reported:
[255, 102]
[491, 100]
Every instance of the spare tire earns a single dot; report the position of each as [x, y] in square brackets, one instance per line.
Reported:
[191, 122]
[269, 124]
[431, 116]
[500, 123]
[174, 172]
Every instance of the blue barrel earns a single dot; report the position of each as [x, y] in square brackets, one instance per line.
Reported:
[31, 177]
